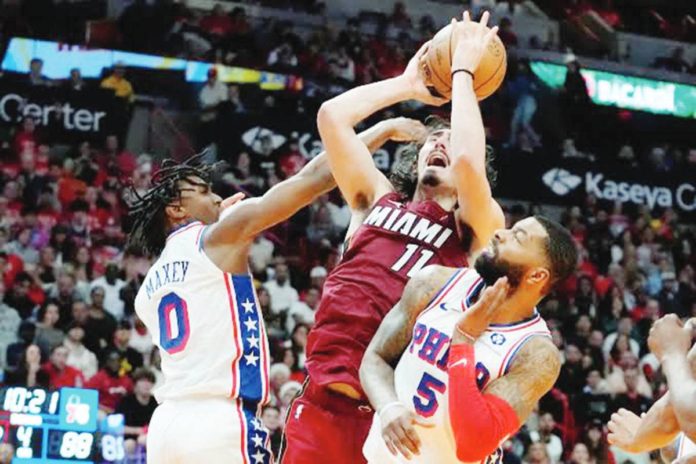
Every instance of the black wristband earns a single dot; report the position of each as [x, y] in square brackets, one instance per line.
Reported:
[464, 71]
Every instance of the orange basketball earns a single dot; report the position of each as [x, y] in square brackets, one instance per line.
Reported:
[488, 76]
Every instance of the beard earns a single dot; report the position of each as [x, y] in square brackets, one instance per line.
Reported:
[491, 268]
[431, 179]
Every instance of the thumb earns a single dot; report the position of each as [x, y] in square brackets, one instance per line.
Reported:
[229, 201]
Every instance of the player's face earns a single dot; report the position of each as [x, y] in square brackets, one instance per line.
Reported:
[517, 253]
[434, 161]
[199, 201]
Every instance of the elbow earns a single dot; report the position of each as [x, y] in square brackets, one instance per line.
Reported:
[327, 116]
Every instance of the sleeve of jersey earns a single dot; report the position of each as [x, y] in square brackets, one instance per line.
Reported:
[480, 422]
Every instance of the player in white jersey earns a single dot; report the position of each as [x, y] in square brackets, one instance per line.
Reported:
[670, 423]
[474, 356]
[199, 304]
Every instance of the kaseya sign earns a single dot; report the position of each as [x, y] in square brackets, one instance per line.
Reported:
[72, 116]
[682, 196]
[570, 181]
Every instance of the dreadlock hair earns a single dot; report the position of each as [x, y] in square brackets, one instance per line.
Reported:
[404, 172]
[149, 219]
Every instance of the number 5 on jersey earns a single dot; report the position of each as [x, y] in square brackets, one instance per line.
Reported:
[411, 249]
[173, 323]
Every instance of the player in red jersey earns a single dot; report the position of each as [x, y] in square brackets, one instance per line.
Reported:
[446, 214]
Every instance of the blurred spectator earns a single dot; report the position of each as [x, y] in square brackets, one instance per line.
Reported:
[130, 358]
[617, 377]
[302, 312]
[547, 436]
[342, 66]
[572, 376]
[28, 372]
[632, 399]
[80, 357]
[675, 62]
[282, 294]
[9, 325]
[537, 453]
[75, 83]
[261, 254]
[138, 407]
[507, 36]
[23, 247]
[217, 23]
[283, 57]
[47, 335]
[288, 392]
[36, 76]
[59, 373]
[318, 276]
[100, 325]
[112, 285]
[26, 140]
[140, 338]
[26, 334]
[211, 95]
[580, 455]
[522, 88]
[111, 382]
[625, 328]
[595, 401]
[575, 97]
[119, 84]
[270, 416]
[400, 17]
[232, 104]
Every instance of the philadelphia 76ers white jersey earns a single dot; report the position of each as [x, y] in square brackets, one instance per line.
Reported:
[421, 378]
[207, 324]
[685, 447]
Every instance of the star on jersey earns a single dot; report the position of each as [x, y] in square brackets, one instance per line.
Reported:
[250, 324]
[248, 306]
[258, 457]
[258, 441]
[253, 341]
[256, 423]
[251, 359]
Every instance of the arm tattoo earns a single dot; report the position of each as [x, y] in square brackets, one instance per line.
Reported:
[395, 332]
[533, 373]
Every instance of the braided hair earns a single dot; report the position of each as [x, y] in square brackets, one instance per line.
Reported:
[149, 229]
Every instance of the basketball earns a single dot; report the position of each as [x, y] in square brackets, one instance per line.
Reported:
[488, 76]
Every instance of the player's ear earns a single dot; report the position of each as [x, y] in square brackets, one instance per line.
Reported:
[175, 211]
[539, 275]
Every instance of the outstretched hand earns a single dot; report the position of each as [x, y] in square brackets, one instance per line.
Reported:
[472, 42]
[476, 319]
[417, 80]
[232, 200]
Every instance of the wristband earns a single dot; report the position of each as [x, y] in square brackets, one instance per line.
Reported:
[464, 71]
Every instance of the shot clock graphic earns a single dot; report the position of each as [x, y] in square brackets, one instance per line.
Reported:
[58, 426]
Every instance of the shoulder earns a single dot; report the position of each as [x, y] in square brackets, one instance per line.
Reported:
[538, 354]
[427, 283]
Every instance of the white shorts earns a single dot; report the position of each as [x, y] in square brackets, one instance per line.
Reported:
[206, 430]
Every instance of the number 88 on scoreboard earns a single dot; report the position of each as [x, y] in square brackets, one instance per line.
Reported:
[58, 427]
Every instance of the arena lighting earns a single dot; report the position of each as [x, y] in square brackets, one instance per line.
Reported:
[628, 92]
[60, 58]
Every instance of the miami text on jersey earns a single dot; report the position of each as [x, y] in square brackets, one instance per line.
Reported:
[404, 222]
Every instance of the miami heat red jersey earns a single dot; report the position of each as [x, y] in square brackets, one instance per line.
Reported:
[396, 240]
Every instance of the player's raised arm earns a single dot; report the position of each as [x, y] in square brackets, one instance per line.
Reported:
[390, 341]
[243, 221]
[477, 208]
[656, 429]
[482, 420]
[361, 183]
[671, 342]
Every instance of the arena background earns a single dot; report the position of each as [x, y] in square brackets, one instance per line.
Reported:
[594, 125]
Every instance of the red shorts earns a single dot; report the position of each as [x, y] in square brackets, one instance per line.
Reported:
[325, 426]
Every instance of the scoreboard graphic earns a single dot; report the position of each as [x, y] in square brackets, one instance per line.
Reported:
[60, 427]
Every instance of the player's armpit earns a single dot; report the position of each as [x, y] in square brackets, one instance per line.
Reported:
[394, 334]
[532, 374]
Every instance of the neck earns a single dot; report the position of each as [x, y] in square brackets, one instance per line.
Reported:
[516, 308]
[142, 399]
[425, 193]
[174, 225]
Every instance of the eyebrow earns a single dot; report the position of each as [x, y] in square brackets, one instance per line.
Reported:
[516, 230]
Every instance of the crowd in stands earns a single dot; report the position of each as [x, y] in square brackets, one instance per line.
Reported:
[68, 282]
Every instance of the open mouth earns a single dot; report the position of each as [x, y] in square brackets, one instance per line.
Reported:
[438, 159]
